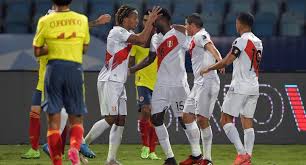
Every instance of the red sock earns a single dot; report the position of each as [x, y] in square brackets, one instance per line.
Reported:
[76, 136]
[34, 130]
[64, 136]
[55, 146]
[144, 131]
[153, 139]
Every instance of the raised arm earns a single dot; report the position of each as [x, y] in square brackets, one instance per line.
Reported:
[143, 37]
[103, 19]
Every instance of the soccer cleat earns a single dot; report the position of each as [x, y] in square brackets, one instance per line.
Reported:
[83, 159]
[112, 162]
[31, 154]
[145, 152]
[73, 155]
[205, 162]
[241, 159]
[85, 150]
[170, 161]
[45, 148]
[153, 156]
[191, 160]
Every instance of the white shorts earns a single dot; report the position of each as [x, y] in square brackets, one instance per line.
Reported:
[202, 98]
[112, 98]
[165, 97]
[236, 104]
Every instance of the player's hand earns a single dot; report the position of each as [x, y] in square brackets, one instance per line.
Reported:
[204, 71]
[154, 14]
[104, 19]
[222, 71]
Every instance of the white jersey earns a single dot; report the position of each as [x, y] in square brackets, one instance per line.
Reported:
[171, 58]
[117, 54]
[248, 49]
[200, 57]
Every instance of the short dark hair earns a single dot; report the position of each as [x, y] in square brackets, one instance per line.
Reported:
[62, 2]
[123, 12]
[196, 19]
[246, 18]
[165, 14]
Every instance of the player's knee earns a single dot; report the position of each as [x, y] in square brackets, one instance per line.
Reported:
[120, 120]
[145, 110]
[225, 119]
[36, 109]
[158, 119]
[110, 119]
[180, 119]
[203, 122]
[188, 118]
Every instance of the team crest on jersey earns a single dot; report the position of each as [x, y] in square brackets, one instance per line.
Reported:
[170, 44]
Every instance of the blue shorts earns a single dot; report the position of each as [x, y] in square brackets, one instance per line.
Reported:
[144, 96]
[64, 87]
[36, 98]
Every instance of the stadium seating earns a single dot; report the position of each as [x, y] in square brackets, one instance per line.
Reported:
[291, 24]
[163, 3]
[213, 22]
[99, 6]
[183, 8]
[265, 24]
[79, 6]
[269, 6]
[138, 4]
[237, 6]
[230, 24]
[296, 6]
[213, 6]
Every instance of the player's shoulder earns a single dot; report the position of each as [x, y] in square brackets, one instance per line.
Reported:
[202, 34]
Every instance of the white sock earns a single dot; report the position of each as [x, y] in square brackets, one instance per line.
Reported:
[193, 135]
[97, 129]
[64, 118]
[249, 138]
[233, 135]
[207, 136]
[163, 138]
[115, 137]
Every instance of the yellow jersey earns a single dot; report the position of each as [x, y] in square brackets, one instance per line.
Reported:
[41, 72]
[148, 75]
[64, 33]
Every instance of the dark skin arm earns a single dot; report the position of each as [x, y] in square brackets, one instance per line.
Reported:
[40, 51]
[144, 63]
[229, 59]
[103, 19]
[180, 28]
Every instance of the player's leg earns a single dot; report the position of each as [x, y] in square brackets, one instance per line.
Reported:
[54, 138]
[34, 130]
[208, 94]
[231, 108]
[247, 123]
[120, 110]
[191, 128]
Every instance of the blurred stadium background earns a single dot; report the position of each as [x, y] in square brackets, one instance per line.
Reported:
[280, 116]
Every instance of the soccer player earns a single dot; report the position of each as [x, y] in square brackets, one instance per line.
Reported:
[145, 80]
[34, 130]
[242, 96]
[111, 90]
[171, 88]
[200, 103]
[63, 36]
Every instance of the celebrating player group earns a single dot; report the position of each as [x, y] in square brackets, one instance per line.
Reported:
[157, 57]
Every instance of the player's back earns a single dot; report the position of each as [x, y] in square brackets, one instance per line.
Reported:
[200, 57]
[171, 58]
[246, 65]
[65, 33]
[117, 53]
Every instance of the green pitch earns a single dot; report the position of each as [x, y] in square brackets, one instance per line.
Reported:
[129, 155]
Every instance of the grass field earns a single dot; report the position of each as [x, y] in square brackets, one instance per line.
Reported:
[129, 155]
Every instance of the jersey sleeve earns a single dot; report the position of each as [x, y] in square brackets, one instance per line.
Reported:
[201, 40]
[39, 39]
[133, 50]
[154, 43]
[238, 46]
[87, 35]
[123, 35]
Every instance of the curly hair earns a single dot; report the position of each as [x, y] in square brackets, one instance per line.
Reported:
[123, 12]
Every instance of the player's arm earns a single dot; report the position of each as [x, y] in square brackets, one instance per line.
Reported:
[229, 59]
[216, 54]
[39, 46]
[144, 63]
[40, 51]
[132, 60]
[143, 37]
[180, 28]
[103, 19]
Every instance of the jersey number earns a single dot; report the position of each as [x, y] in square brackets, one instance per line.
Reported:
[62, 36]
[180, 105]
